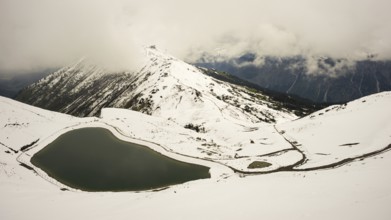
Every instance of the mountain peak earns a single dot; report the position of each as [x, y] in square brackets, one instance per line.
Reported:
[165, 86]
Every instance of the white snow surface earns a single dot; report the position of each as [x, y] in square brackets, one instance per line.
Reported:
[342, 131]
[360, 189]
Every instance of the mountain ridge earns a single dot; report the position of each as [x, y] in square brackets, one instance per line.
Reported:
[163, 82]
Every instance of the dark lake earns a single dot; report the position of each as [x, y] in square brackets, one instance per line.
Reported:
[93, 159]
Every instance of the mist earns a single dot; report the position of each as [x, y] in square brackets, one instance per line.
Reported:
[49, 33]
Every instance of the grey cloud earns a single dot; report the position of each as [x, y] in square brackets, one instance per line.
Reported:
[44, 33]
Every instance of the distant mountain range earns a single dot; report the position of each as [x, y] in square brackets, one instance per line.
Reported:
[12, 83]
[330, 80]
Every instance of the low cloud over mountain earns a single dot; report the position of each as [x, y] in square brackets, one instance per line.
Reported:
[43, 33]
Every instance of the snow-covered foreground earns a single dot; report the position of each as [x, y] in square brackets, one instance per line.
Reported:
[361, 189]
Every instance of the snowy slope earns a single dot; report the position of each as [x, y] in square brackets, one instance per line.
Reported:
[22, 124]
[360, 190]
[342, 132]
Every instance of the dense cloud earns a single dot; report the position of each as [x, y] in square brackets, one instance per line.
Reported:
[52, 33]
[47, 33]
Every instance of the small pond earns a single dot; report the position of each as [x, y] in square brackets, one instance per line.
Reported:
[93, 159]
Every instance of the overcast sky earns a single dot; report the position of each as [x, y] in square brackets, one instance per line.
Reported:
[51, 33]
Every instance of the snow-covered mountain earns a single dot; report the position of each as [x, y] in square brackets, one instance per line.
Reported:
[357, 133]
[164, 87]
